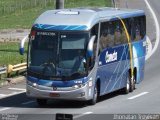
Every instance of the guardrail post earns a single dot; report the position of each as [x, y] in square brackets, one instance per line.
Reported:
[9, 70]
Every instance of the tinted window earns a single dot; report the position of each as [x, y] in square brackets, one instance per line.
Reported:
[118, 33]
[138, 28]
[113, 32]
[107, 34]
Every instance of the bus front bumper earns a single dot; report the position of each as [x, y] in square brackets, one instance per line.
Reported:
[81, 94]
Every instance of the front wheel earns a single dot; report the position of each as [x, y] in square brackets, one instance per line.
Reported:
[95, 96]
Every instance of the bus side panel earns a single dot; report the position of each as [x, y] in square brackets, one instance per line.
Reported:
[139, 52]
[113, 68]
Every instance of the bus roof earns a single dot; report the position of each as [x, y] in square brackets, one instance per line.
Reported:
[81, 18]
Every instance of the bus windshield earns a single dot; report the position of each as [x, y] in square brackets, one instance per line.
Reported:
[54, 55]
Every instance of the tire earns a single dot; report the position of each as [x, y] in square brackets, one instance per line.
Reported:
[95, 96]
[130, 85]
[127, 87]
[41, 102]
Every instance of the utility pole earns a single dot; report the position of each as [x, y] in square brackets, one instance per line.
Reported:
[59, 4]
[113, 3]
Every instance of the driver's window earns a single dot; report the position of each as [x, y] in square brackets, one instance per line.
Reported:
[94, 31]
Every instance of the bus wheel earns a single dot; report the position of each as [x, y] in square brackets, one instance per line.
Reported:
[41, 102]
[95, 96]
[130, 85]
[127, 87]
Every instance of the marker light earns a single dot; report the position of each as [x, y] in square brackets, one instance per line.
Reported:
[34, 84]
[78, 86]
[90, 82]
[31, 84]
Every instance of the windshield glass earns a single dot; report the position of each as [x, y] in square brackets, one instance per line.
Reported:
[57, 55]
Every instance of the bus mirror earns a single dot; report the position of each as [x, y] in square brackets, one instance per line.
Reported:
[84, 63]
[90, 46]
[21, 49]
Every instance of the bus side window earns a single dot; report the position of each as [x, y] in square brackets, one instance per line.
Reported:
[137, 29]
[107, 35]
[142, 26]
[132, 29]
[103, 36]
[94, 31]
[128, 26]
[110, 36]
[91, 61]
[118, 33]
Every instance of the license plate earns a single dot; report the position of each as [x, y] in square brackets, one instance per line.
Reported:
[54, 95]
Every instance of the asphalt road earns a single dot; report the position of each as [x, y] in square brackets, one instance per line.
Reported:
[144, 100]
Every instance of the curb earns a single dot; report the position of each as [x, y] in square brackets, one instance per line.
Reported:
[10, 81]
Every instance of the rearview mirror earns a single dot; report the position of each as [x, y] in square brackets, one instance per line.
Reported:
[90, 46]
[21, 48]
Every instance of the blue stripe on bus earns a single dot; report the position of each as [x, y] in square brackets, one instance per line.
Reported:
[60, 27]
[57, 83]
[122, 52]
[113, 72]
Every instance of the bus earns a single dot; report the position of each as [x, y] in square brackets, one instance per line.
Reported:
[84, 53]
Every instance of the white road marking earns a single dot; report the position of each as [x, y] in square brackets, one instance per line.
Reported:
[141, 94]
[15, 93]
[29, 102]
[81, 115]
[157, 29]
[3, 109]
[20, 89]
[12, 94]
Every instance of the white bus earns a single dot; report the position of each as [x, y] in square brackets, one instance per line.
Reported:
[83, 53]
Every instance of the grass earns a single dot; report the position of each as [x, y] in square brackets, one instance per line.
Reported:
[20, 19]
[9, 53]
[24, 17]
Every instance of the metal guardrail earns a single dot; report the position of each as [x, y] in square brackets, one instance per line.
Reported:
[3, 70]
[13, 68]
[18, 67]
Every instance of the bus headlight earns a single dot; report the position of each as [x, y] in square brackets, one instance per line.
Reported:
[32, 84]
[78, 86]
[90, 82]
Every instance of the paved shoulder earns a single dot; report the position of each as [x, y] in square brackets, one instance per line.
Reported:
[12, 89]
